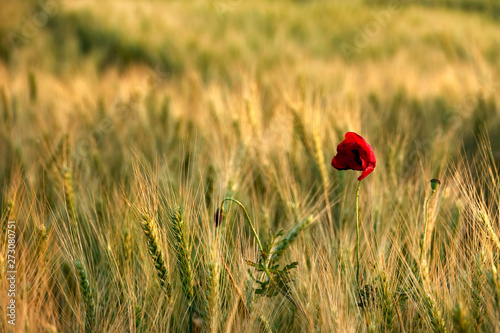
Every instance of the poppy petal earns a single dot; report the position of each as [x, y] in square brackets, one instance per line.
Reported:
[366, 172]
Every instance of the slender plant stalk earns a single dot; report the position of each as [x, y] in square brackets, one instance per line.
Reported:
[357, 233]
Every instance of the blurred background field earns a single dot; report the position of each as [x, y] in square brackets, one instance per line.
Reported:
[108, 108]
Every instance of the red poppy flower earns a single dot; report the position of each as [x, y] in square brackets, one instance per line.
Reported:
[354, 153]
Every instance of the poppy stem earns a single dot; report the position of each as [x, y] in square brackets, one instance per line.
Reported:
[357, 233]
[248, 220]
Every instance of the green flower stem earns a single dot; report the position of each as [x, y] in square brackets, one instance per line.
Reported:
[248, 219]
[357, 233]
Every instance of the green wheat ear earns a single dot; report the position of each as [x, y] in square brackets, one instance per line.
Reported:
[435, 315]
[461, 321]
[264, 324]
[477, 292]
[42, 243]
[9, 209]
[5, 106]
[69, 194]
[33, 90]
[183, 253]
[212, 300]
[299, 129]
[2, 261]
[386, 301]
[284, 243]
[155, 252]
[127, 246]
[88, 300]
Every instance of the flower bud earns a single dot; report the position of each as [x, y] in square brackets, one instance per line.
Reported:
[218, 216]
[435, 184]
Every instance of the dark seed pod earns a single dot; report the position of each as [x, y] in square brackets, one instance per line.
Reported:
[218, 216]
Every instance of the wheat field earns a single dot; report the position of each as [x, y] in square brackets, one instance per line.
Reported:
[165, 166]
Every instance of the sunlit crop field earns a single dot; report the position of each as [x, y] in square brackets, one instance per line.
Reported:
[166, 166]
